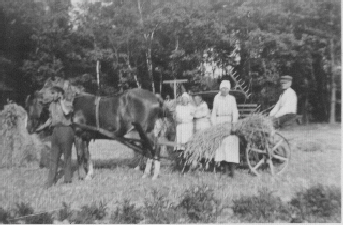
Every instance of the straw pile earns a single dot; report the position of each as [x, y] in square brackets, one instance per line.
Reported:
[18, 147]
[70, 90]
[255, 129]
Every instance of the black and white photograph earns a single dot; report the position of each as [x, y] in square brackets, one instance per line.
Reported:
[170, 111]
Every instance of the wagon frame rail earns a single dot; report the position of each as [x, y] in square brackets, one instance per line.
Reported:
[268, 155]
[126, 141]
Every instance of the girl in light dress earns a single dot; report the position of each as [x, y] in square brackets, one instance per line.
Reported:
[184, 113]
[200, 114]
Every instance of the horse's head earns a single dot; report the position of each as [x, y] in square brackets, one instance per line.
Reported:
[168, 124]
[37, 111]
[45, 95]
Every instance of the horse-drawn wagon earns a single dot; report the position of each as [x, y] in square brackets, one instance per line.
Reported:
[115, 117]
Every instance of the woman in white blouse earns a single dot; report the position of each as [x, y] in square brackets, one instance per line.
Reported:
[224, 105]
[225, 111]
[200, 114]
[184, 120]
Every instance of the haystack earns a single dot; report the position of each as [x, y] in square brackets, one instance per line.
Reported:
[256, 129]
[71, 91]
[18, 147]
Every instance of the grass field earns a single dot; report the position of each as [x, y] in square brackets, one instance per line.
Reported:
[115, 181]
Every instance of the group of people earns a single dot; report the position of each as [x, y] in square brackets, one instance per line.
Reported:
[224, 110]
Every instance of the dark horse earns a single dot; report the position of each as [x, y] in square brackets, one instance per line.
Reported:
[37, 112]
[114, 117]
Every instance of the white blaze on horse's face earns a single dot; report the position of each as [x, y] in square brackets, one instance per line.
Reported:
[25, 120]
[46, 94]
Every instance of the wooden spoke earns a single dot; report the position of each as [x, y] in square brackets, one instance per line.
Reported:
[257, 150]
[258, 164]
[280, 157]
[277, 144]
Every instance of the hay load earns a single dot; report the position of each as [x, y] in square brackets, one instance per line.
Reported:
[18, 148]
[255, 129]
[71, 91]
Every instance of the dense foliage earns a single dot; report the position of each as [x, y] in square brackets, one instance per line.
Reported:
[136, 42]
[197, 205]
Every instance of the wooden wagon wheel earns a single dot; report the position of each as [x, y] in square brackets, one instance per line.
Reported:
[276, 154]
[279, 154]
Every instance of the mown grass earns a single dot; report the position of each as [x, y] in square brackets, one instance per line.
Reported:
[115, 181]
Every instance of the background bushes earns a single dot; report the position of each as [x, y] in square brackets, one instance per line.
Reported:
[196, 205]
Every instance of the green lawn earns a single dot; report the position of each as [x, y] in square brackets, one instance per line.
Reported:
[114, 181]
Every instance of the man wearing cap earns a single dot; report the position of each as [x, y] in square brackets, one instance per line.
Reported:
[62, 137]
[225, 110]
[286, 107]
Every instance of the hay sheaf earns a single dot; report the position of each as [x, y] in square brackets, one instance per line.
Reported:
[19, 148]
[256, 129]
[71, 91]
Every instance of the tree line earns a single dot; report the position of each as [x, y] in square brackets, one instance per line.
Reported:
[139, 43]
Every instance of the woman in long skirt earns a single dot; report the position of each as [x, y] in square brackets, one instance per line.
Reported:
[184, 120]
[225, 111]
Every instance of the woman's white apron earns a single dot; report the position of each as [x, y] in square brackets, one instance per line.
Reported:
[229, 149]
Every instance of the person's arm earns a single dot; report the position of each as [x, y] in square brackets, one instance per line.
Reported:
[275, 109]
[234, 110]
[214, 110]
[67, 106]
[43, 126]
[47, 123]
[290, 105]
[177, 115]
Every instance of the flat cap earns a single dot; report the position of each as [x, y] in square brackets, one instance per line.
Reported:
[286, 77]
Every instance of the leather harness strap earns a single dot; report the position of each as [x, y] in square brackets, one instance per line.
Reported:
[97, 103]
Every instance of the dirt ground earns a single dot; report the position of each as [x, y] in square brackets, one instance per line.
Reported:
[115, 181]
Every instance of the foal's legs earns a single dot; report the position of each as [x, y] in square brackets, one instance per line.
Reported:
[85, 163]
[89, 162]
[157, 162]
[80, 157]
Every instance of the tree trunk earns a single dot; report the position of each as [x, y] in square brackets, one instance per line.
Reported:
[333, 86]
[148, 40]
[149, 64]
[98, 76]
